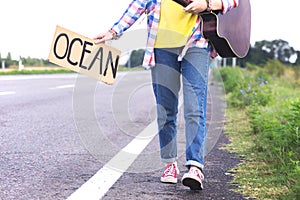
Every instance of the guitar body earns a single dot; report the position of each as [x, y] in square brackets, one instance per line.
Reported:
[229, 33]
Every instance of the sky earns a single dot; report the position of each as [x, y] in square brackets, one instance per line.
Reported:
[27, 26]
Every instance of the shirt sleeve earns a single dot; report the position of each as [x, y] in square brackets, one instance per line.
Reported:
[228, 5]
[135, 9]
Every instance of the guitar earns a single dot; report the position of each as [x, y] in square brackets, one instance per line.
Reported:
[228, 33]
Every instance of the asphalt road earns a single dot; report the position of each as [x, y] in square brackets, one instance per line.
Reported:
[57, 131]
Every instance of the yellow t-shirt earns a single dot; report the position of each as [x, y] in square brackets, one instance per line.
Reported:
[175, 25]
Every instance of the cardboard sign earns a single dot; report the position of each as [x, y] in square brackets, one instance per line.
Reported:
[80, 54]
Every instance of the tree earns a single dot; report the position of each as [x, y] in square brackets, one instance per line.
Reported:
[264, 50]
[256, 56]
[280, 50]
[297, 63]
[136, 58]
[8, 61]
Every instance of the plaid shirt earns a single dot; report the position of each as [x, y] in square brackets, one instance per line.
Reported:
[152, 8]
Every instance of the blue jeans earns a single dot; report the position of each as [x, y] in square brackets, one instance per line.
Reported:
[166, 85]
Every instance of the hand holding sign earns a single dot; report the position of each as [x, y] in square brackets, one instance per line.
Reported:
[81, 54]
[102, 37]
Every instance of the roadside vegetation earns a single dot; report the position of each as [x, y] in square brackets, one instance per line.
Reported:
[50, 70]
[263, 125]
[40, 70]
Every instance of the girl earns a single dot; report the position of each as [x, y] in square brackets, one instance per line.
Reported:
[175, 48]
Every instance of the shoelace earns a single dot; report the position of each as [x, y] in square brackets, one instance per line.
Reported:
[169, 169]
[197, 173]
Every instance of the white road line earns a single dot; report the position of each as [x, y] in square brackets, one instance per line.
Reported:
[62, 87]
[98, 185]
[7, 93]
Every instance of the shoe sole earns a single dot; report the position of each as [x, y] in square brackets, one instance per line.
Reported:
[192, 183]
[169, 180]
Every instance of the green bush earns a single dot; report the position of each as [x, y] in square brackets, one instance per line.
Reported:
[275, 68]
[244, 88]
[278, 140]
[232, 78]
[251, 67]
[274, 115]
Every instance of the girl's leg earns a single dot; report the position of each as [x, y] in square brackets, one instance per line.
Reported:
[166, 85]
[195, 67]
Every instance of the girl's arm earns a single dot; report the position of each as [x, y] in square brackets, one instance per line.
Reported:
[135, 9]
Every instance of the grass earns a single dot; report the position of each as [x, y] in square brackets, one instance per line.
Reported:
[13, 70]
[44, 71]
[50, 70]
[263, 127]
[254, 177]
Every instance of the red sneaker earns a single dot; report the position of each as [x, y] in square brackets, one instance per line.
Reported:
[170, 173]
[193, 179]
